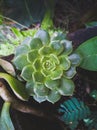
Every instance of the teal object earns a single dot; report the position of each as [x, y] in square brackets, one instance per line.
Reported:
[73, 111]
[91, 121]
[93, 94]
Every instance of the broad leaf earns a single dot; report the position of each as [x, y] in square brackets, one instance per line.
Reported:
[88, 50]
[17, 87]
[5, 120]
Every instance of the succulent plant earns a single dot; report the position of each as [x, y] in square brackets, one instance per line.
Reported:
[48, 65]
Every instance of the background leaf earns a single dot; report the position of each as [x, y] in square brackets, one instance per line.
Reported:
[5, 120]
[88, 50]
[7, 66]
[91, 24]
[17, 86]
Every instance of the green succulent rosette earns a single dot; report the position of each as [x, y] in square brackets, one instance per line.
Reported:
[48, 65]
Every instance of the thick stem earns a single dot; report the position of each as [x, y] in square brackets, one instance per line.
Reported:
[22, 106]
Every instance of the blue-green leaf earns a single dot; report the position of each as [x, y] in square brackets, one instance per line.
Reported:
[88, 50]
[5, 120]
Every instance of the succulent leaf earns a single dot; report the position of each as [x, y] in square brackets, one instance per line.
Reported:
[48, 65]
[53, 96]
[57, 47]
[52, 84]
[64, 62]
[44, 36]
[40, 90]
[66, 87]
[36, 43]
[30, 87]
[40, 98]
[70, 73]
[45, 50]
[27, 72]
[68, 46]
[23, 49]
[21, 61]
[32, 55]
[75, 59]
[57, 74]
[38, 77]
[37, 64]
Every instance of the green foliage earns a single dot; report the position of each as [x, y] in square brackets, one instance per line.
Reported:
[17, 87]
[72, 111]
[5, 120]
[47, 64]
[11, 38]
[93, 94]
[1, 20]
[91, 121]
[91, 24]
[88, 50]
[47, 22]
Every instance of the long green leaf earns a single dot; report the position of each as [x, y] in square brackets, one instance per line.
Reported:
[17, 87]
[88, 50]
[5, 120]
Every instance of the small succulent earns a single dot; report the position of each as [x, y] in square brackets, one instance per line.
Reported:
[47, 64]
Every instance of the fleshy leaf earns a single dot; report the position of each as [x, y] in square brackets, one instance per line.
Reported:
[57, 74]
[66, 87]
[43, 35]
[23, 49]
[20, 61]
[45, 72]
[17, 87]
[5, 119]
[37, 64]
[75, 59]
[7, 66]
[53, 96]
[58, 36]
[57, 47]
[27, 72]
[64, 62]
[32, 55]
[38, 77]
[39, 98]
[70, 73]
[41, 90]
[88, 50]
[36, 43]
[30, 87]
[45, 50]
[48, 65]
[52, 84]
[54, 58]
[26, 41]
[68, 46]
